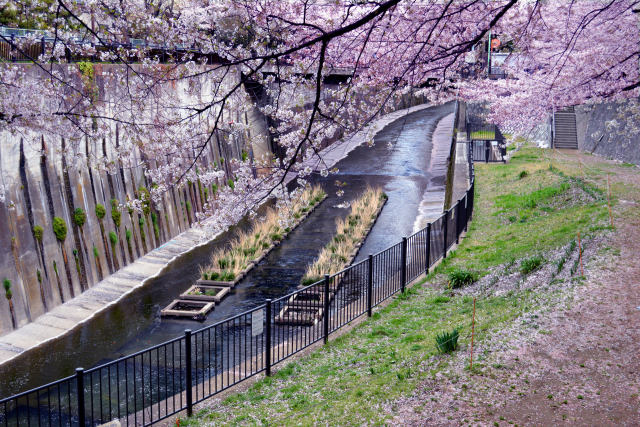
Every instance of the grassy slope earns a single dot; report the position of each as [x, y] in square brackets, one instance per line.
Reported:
[355, 378]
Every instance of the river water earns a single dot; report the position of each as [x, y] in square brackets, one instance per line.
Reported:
[398, 162]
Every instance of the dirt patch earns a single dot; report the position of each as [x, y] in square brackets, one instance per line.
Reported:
[577, 363]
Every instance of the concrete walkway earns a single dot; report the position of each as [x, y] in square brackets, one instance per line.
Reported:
[432, 203]
[82, 308]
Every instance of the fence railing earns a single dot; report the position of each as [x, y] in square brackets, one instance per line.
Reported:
[156, 383]
[13, 48]
[487, 142]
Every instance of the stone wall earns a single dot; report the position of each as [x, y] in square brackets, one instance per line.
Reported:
[602, 130]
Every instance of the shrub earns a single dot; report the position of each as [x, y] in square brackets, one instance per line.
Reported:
[214, 275]
[231, 184]
[523, 174]
[205, 276]
[265, 245]
[115, 213]
[141, 221]
[276, 236]
[127, 234]
[79, 217]
[145, 197]
[339, 238]
[228, 276]
[7, 288]
[60, 228]
[244, 155]
[447, 342]
[113, 237]
[459, 278]
[38, 231]
[100, 211]
[531, 264]
[306, 281]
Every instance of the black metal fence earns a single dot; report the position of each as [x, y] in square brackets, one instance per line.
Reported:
[27, 45]
[487, 142]
[156, 383]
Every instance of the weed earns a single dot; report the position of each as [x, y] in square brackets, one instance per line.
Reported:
[529, 265]
[100, 211]
[447, 342]
[523, 174]
[79, 217]
[38, 231]
[59, 228]
[459, 278]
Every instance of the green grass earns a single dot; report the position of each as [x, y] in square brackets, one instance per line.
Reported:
[483, 134]
[350, 380]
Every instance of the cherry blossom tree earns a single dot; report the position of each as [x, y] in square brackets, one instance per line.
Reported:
[172, 107]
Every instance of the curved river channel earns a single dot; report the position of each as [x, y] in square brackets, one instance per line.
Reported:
[399, 162]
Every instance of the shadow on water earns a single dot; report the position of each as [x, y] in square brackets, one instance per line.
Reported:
[398, 162]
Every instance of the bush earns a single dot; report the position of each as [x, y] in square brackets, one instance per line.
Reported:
[276, 237]
[127, 234]
[447, 342]
[113, 237]
[60, 228]
[523, 174]
[228, 276]
[38, 231]
[145, 197]
[7, 288]
[531, 264]
[79, 217]
[459, 278]
[205, 276]
[100, 211]
[231, 184]
[310, 280]
[214, 275]
[115, 213]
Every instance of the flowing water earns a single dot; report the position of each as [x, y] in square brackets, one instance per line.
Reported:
[399, 162]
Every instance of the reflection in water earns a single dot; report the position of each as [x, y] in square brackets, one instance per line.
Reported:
[134, 323]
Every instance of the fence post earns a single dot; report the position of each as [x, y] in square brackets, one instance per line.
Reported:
[267, 339]
[427, 261]
[370, 286]
[457, 212]
[403, 276]
[486, 151]
[326, 309]
[446, 231]
[80, 392]
[189, 380]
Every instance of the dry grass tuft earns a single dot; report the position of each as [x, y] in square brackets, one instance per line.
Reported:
[227, 264]
[349, 233]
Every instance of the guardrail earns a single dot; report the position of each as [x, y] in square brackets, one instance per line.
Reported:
[156, 383]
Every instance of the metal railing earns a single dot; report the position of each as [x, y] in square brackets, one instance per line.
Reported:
[156, 383]
[42, 41]
[487, 142]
